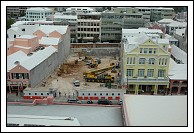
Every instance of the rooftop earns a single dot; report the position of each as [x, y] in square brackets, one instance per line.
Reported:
[179, 54]
[177, 24]
[66, 16]
[149, 110]
[27, 36]
[180, 32]
[42, 120]
[50, 28]
[49, 41]
[165, 21]
[39, 9]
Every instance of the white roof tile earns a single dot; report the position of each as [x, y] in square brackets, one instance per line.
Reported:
[50, 28]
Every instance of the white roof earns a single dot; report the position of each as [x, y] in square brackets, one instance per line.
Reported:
[50, 28]
[42, 120]
[165, 21]
[146, 30]
[27, 36]
[66, 16]
[38, 57]
[170, 37]
[49, 41]
[17, 56]
[100, 89]
[76, 8]
[177, 24]
[38, 9]
[29, 62]
[151, 110]
[180, 31]
[134, 40]
[177, 71]
[179, 54]
[17, 23]
[162, 41]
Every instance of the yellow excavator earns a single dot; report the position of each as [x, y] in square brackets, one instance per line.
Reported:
[99, 76]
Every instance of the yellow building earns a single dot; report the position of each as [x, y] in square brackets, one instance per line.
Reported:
[144, 64]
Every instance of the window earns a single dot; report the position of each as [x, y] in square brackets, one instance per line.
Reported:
[29, 93]
[20, 76]
[150, 73]
[162, 61]
[26, 76]
[14, 36]
[107, 94]
[130, 72]
[151, 61]
[150, 50]
[118, 94]
[47, 94]
[161, 73]
[140, 72]
[127, 60]
[112, 94]
[154, 50]
[35, 93]
[131, 60]
[94, 94]
[165, 61]
[145, 50]
[88, 94]
[101, 94]
[41, 93]
[14, 75]
[141, 60]
[83, 94]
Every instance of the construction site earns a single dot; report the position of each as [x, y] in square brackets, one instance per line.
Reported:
[91, 72]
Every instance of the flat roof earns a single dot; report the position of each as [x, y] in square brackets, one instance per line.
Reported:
[86, 115]
[26, 36]
[49, 41]
[42, 120]
[101, 89]
[154, 110]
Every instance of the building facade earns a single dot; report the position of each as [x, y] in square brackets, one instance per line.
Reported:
[144, 65]
[88, 27]
[113, 21]
[37, 13]
[15, 12]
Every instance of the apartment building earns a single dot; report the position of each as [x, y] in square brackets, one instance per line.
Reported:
[33, 57]
[37, 13]
[113, 21]
[88, 27]
[77, 10]
[146, 13]
[15, 12]
[144, 64]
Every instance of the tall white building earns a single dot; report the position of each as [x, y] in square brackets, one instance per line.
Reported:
[75, 10]
[37, 13]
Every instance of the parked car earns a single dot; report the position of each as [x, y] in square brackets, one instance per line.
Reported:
[76, 83]
[104, 101]
[120, 102]
[73, 100]
[89, 102]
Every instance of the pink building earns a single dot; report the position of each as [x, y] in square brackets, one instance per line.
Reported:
[32, 58]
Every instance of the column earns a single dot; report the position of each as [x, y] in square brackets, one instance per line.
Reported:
[171, 82]
[136, 89]
[179, 87]
[155, 89]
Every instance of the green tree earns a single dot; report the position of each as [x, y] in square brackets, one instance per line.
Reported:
[9, 23]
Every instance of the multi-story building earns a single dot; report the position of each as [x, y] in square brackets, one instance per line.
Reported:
[14, 11]
[71, 20]
[77, 10]
[88, 27]
[146, 13]
[158, 13]
[173, 26]
[113, 21]
[34, 56]
[144, 64]
[37, 13]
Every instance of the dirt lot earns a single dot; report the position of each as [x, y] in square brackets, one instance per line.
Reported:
[72, 71]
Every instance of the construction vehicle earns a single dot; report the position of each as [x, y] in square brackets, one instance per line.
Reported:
[98, 75]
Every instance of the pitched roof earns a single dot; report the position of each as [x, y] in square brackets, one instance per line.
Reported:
[179, 54]
[47, 29]
[49, 41]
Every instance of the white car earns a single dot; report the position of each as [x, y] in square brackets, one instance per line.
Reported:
[76, 83]
[120, 102]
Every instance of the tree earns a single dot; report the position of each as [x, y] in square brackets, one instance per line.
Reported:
[10, 22]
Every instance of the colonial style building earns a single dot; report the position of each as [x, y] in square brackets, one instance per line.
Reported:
[144, 63]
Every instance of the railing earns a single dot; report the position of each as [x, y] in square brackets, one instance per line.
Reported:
[147, 80]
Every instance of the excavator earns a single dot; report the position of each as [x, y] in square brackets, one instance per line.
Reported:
[99, 76]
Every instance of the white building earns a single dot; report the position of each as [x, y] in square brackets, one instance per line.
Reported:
[146, 13]
[75, 10]
[171, 28]
[37, 13]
